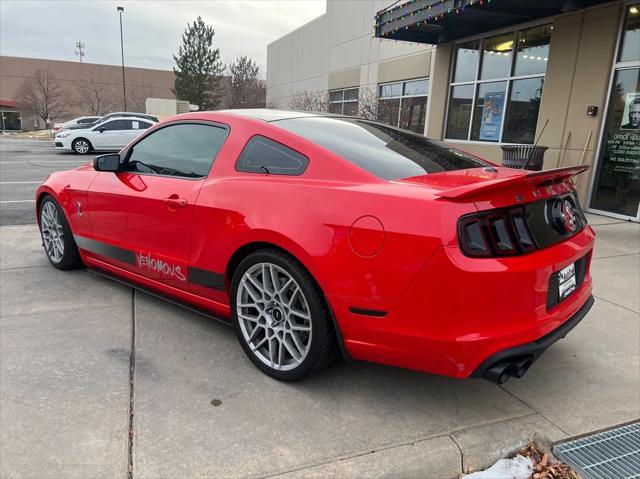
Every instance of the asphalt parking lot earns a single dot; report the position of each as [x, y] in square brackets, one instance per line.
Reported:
[97, 380]
[24, 164]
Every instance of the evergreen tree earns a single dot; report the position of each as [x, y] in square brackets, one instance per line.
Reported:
[198, 67]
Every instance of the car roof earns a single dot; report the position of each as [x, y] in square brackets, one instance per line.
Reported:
[132, 118]
[269, 114]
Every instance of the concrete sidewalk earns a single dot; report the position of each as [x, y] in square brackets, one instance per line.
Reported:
[200, 408]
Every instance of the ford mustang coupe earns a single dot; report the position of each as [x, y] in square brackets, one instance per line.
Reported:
[318, 236]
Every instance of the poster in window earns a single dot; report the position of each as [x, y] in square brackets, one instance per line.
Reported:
[492, 113]
[631, 114]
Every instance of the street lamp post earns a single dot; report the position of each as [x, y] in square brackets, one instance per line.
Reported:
[124, 88]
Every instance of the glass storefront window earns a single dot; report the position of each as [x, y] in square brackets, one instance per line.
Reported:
[10, 120]
[404, 104]
[522, 112]
[389, 111]
[467, 55]
[460, 103]
[489, 111]
[496, 57]
[344, 102]
[617, 185]
[413, 113]
[501, 102]
[533, 50]
[630, 48]
[390, 90]
[416, 87]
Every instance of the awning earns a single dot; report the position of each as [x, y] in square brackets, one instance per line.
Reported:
[440, 21]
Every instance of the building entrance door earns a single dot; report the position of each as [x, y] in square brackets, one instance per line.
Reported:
[616, 186]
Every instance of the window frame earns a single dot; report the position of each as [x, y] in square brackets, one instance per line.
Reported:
[343, 101]
[125, 154]
[261, 173]
[509, 79]
[402, 96]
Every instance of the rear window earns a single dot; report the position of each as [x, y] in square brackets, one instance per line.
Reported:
[387, 152]
[262, 155]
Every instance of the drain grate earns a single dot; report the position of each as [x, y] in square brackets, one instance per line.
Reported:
[613, 454]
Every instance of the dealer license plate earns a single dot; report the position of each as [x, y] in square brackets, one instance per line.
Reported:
[566, 281]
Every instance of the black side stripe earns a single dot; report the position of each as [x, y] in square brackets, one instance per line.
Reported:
[106, 250]
[208, 279]
[201, 277]
[368, 312]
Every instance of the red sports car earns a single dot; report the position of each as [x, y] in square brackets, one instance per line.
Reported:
[318, 236]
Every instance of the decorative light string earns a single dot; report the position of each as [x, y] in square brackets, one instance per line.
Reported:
[427, 8]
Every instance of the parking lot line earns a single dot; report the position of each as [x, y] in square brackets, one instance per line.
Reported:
[17, 201]
[43, 161]
[20, 182]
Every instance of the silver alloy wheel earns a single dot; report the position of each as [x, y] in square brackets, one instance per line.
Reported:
[81, 146]
[52, 232]
[274, 316]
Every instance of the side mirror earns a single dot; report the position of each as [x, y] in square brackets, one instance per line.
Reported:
[110, 162]
[101, 130]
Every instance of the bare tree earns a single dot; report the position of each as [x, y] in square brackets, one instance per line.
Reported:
[246, 90]
[42, 96]
[96, 98]
[309, 100]
[137, 97]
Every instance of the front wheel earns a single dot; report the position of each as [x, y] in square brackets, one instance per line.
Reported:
[280, 316]
[81, 146]
[57, 238]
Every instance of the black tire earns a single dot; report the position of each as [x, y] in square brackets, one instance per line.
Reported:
[322, 348]
[70, 258]
[81, 146]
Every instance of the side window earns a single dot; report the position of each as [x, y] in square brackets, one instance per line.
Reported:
[262, 155]
[139, 125]
[185, 150]
[116, 125]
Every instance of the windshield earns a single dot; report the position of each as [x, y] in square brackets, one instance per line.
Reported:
[385, 151]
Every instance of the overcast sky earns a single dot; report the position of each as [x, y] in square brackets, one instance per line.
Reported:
[152, 29]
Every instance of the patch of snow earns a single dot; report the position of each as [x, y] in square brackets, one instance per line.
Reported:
[519, 467]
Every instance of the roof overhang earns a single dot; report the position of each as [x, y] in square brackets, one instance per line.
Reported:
[440, 21]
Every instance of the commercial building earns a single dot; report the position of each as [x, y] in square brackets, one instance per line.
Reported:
[86, 88]
[482, 74]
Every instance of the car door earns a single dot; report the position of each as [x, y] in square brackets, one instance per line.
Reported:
[143, 214]
[106, 136]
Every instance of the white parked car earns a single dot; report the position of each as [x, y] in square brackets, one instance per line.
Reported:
[110, 135]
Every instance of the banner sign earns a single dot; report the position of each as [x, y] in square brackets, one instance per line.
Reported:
[492, 113]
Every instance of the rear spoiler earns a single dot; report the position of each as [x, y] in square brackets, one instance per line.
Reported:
[536, 179]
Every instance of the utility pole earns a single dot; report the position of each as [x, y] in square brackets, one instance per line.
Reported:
[80, 47]
[124, 88]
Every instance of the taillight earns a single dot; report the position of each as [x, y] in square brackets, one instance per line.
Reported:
[495, 233]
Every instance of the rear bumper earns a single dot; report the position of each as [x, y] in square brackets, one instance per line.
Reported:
[514, 362]
[459, 311]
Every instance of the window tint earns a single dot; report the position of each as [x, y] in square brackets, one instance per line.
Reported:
[630, 48]
[139, 125]
[262, 155]
[84, 121]
[116, 125]
[186, 150]
[387, 152]
[496, 56]
[466, 61]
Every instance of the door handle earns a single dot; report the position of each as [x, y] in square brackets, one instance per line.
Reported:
[175, 202]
